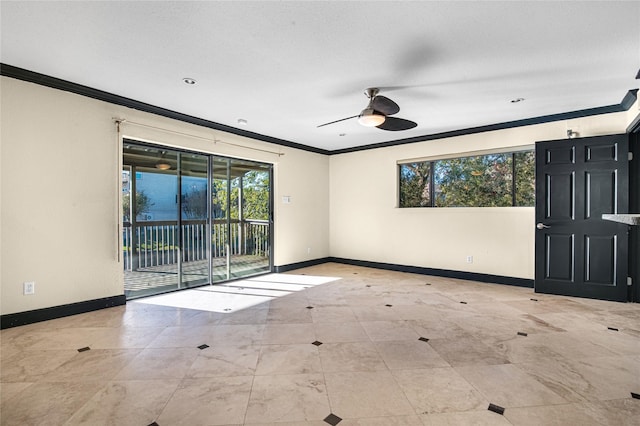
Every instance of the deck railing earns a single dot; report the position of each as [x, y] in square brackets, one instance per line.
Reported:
[157, 243]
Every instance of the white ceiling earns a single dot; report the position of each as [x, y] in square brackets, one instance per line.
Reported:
[287, 67]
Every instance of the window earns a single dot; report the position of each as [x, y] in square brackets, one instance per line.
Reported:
[491, 180]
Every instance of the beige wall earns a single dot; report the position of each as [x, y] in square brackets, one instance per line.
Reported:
[367, 225]
[60, 158]
[60, 161]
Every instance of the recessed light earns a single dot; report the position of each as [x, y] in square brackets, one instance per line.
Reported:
[190, 81]
[242, 122]
[516, 100]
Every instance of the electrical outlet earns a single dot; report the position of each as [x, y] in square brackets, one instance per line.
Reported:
[469, 259]
[308, 250]
[29, 287]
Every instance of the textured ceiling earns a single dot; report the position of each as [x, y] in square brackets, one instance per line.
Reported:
[287, 67]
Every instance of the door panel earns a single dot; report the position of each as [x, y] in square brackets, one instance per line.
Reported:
[241, 215]
[560, 196]
[600, 193]
[600, 259]
[560, 262]
[578, 253]
[560, 155]
[194, 210]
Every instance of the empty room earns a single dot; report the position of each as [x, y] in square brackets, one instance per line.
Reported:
[319, 213]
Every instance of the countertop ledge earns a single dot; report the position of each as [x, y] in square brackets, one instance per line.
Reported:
[629, 219]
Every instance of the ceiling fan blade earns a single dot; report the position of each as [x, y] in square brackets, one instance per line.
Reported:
[385, 105]
[395, 124]
[337, 121]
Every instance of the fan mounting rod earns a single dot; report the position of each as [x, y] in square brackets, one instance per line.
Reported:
[372, 92]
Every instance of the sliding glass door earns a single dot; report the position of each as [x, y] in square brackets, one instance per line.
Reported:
[192, 219]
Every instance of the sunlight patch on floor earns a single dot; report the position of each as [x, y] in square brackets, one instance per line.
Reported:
[237, 295]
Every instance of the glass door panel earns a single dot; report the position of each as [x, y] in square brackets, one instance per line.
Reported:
[250, 218]
[150, 203]
[219, 219]
[194, 214]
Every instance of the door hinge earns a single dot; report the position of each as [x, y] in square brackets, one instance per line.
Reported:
[630, 156]
[629, 281]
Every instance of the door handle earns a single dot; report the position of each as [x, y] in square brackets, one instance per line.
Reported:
[542, 226]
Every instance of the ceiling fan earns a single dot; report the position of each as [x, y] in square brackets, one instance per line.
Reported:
[377, 113]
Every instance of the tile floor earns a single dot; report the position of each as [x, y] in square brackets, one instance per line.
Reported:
[330, 344]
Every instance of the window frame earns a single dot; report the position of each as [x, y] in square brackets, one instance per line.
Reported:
[513, 151]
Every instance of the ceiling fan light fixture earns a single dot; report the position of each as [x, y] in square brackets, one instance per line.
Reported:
[370, 118]
[163, 165]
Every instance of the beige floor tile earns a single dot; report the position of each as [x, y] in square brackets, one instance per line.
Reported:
[509, 386]
[205, 318]
[571, 321]
[366, 394]
[159, 363]
[573, 345]
[354, 356]
[608, 377]
[108, 317]
[245, 317]
[549, 305]
[373, 313]
[389, 330]
[31, 366]
[370, 365]
[293, 315]
[126, 337]
[440, 300]
[332, 314]
[418, 312]
[241, 334]
[467, 351]
[618, 412]
[439, 390]
[44, 404]
[183, 337]
[625, 323]
[9, 389]
[294, 301]
[383, 421]
[346, 332]
[126, 403]
[278, 334]
[288, 359]
[225, 360]
[437, 326]
[150, 316]
[550, 415]
[59, 339]
[519, 349]
[92, 365]
[407, 354]
[614, 341]
[475, 418]
[211, 401]
[562, 377]
[329, 300]
[298, 423]
[484, 326]
[288, 398]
